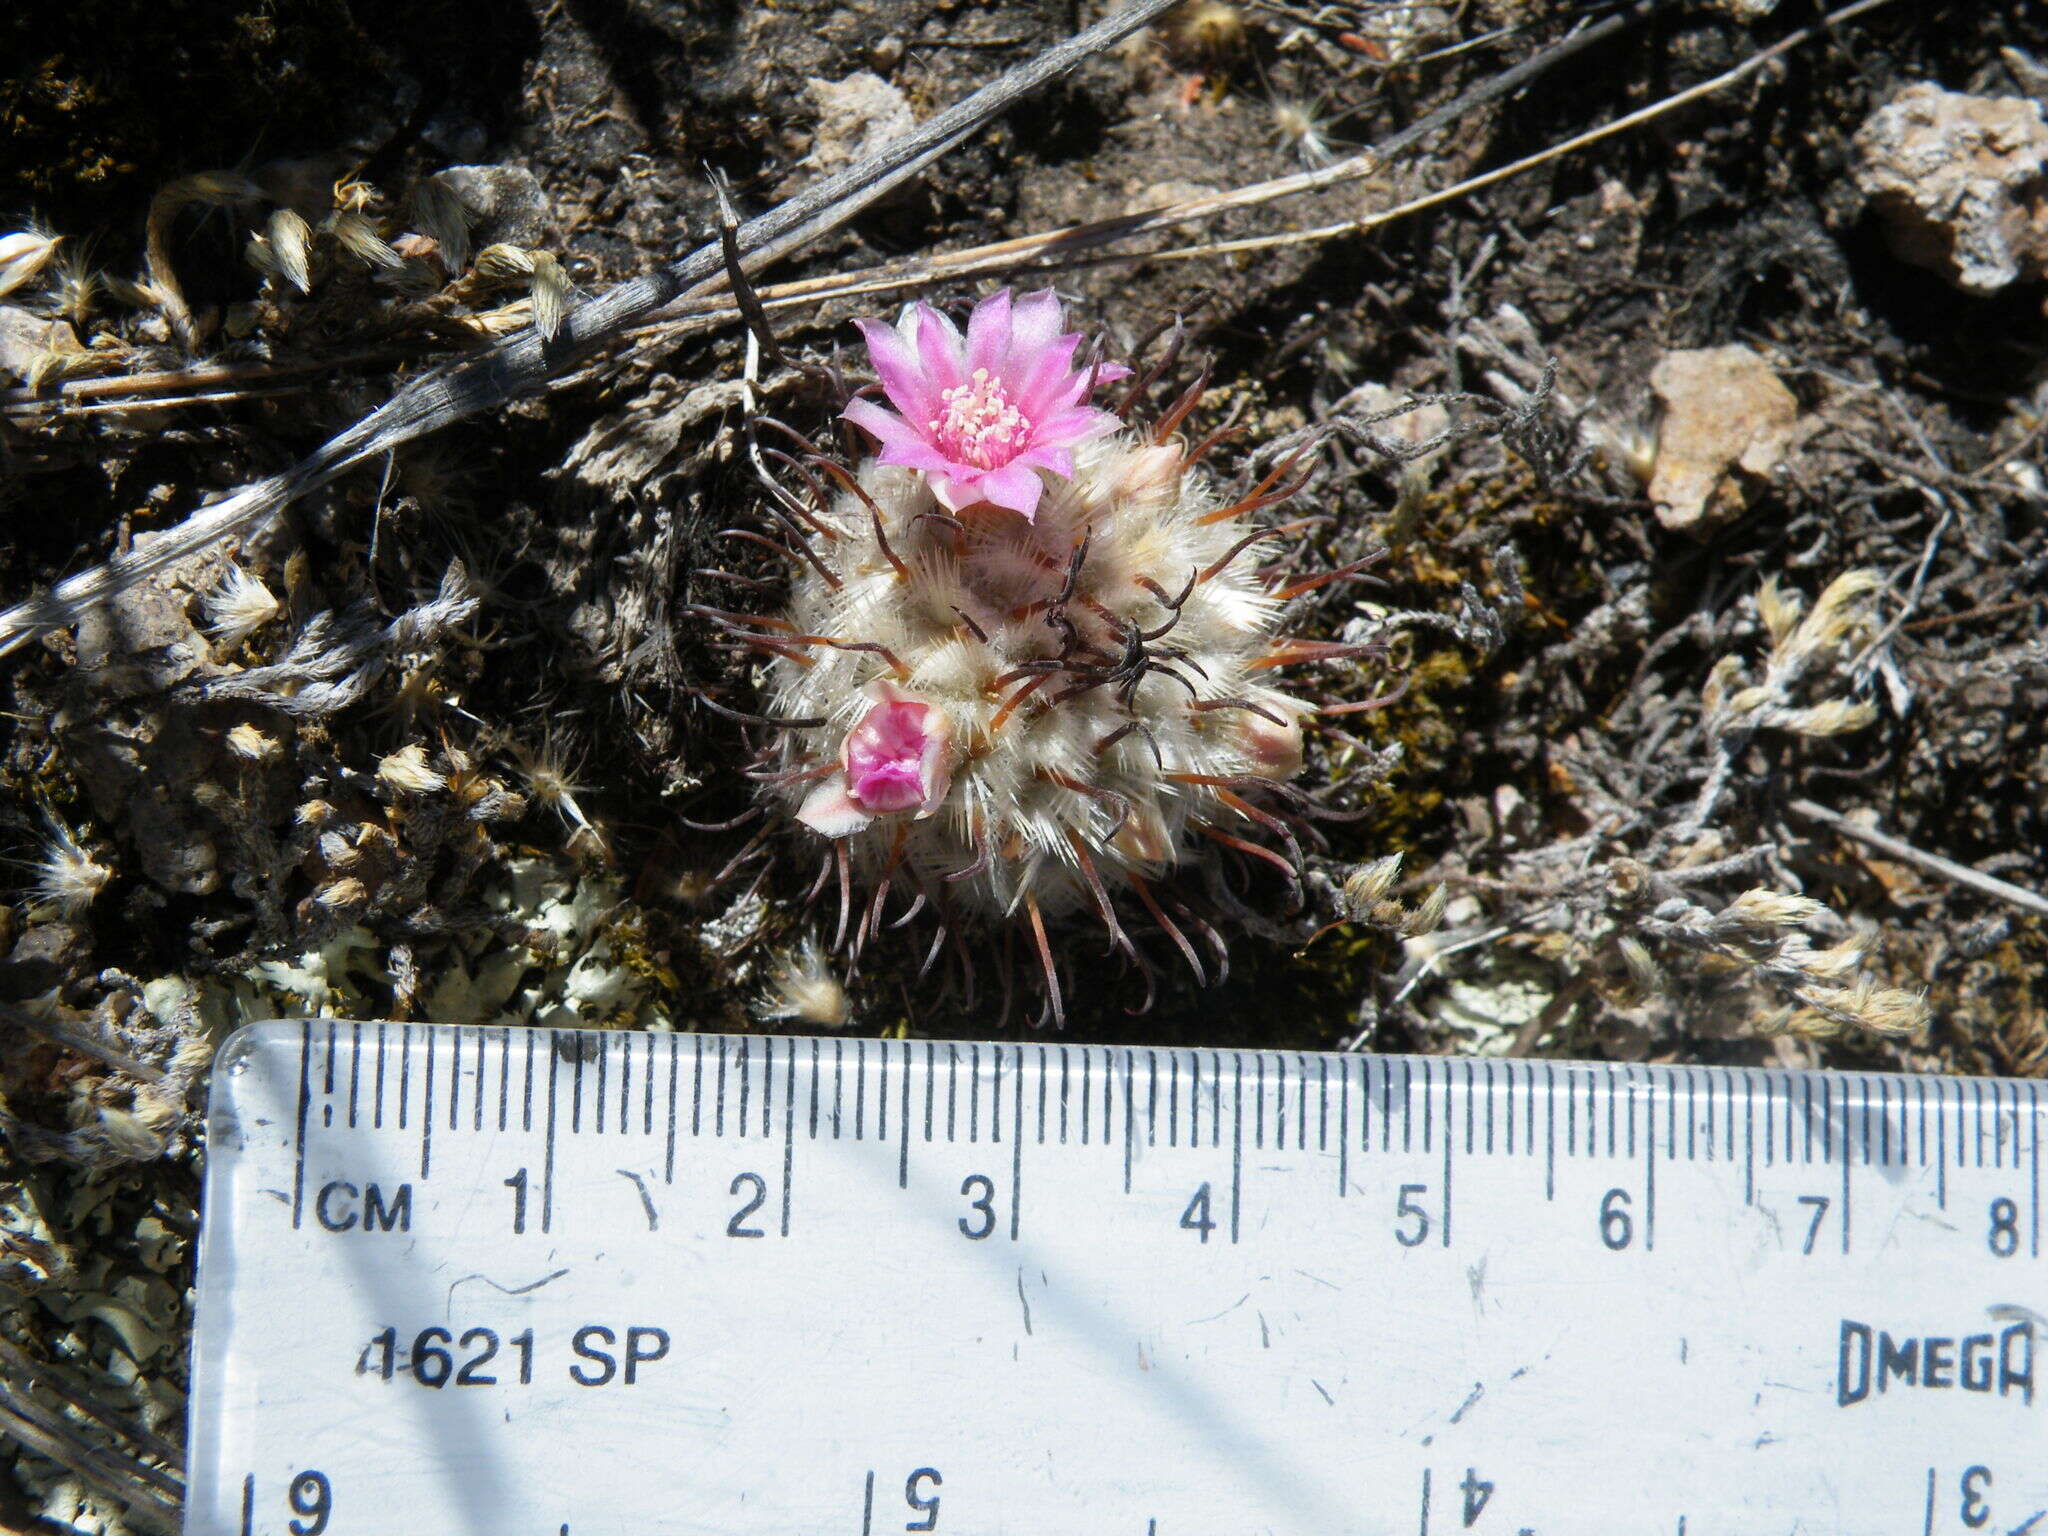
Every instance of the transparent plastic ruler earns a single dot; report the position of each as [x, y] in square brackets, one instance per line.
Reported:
[533, 1281]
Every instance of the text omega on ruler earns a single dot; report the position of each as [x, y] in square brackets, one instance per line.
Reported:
[513, 1280]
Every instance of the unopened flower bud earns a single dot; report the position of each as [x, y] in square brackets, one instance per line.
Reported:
[897, 758]
[1272, 748]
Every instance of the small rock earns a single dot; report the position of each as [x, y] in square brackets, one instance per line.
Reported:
[856, 117]
[25, 337]
[1410, 429]
[47, 956]
[1726, 418]
[1961, 183]
[507, 201]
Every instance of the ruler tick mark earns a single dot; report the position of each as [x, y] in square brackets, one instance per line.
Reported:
[1549, 1131]
[305, 1098]
[1343, 1127]
[1130, 1126]
[789, 1122]
[1449, 1143]
[427, 1110]
[575, 1086]
[1323, 1111]
[547, 1182]
[1236, 1144]
[903, 1154]
[743, 1065]
[1016, 1140]
[1063, 1095]
[668, 1161]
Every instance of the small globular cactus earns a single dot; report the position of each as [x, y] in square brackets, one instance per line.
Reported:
[1028, 664]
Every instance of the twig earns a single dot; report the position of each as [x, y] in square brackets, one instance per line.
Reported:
[1934, 863]
[520, 362]
[142, 1487]
[85, 1045]
[27, 1368]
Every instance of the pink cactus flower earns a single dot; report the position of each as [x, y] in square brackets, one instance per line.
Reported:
[897, 757]
[983, 414]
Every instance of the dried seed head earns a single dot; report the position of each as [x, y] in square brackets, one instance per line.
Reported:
[444, 218]
[802, 987]
[238, 607]
[291, 248]
[551, 294]
[1832, 718]
[1885, 1010]
[23, 256]
[1205, 31]
[1428, 917]
[1837, 614]
[314, 813]
[67, 877]
[550, 771]
[1300, 128]
[1633, 445]
[1368, 885]
[406, 770]
[356, 235]
[1778, 608]
[504, 263]
[75, 286]
[251, 745]
[1835, 961]
[1766, 910]
[343, 896]
[1643, 969]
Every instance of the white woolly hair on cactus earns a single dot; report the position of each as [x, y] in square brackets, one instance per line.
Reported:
[1027, 666]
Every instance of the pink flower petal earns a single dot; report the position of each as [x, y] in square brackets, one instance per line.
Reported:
[957, 493]
[1018, 401]
[941, 354]
[1042, 385]
[1014, 486]
[1036, 324]
[1077, 424]
[988, 334]
[896, 756]
[1056, 459]
[901, 442]
[900, 370]
[829, 809]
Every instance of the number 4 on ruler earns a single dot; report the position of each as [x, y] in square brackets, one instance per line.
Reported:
[1476, 1489]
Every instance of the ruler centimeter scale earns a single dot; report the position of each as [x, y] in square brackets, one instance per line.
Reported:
[506, 1280]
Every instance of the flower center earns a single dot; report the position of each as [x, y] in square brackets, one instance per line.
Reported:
[977, 424]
